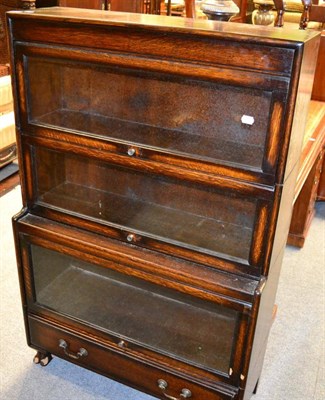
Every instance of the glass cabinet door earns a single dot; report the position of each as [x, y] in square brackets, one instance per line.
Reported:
[201, 218]
[200, 119]
[190, 329]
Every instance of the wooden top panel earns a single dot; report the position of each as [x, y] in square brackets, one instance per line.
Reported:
[238, 46]
[165, 23]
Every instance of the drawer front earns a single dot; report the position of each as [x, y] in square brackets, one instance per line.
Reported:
[191, 117]
[101, 359]
[207, 221]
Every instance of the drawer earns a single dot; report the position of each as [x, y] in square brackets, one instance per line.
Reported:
[194, 324]
[161, 209]
[137, 373]
[176, 117]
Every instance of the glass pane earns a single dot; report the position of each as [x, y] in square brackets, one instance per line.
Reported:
[169, 322]
[199, 218]
[195, 118]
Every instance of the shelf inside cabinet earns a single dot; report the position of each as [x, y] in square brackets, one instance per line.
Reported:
[193, 118]
[177, 226]
[182, 143]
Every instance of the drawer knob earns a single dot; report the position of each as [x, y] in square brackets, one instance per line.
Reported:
[247, 120]
[81, 353]
[163, 385]
[130, 237]
[121, 344]
[186, 393]
[131, 151]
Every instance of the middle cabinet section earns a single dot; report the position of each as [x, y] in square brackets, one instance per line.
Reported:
[219, 222]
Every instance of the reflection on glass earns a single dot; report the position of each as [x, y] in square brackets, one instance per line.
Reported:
[195, 118]
[203, 219]
[167, 321]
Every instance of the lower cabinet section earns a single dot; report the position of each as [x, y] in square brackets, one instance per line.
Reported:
[158, 318]
[133, 314]
[48, 337]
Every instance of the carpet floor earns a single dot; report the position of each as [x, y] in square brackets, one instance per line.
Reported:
[294, 365]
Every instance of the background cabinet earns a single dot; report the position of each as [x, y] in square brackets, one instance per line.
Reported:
[8, 149]
[155, 215]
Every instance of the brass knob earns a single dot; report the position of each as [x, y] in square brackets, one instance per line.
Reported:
[81, 353]
[162, 384]
[186, 393]
[131, 151]
[130, 237]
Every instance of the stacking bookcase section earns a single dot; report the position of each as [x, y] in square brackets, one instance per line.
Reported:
[158, 159]
[209, 219]
[83, 282]
[157, 112]
[227, 121]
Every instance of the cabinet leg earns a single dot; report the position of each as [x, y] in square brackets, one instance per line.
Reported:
[255, 390]
[42, 358]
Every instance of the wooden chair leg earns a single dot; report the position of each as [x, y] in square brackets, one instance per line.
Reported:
[190, 8]
[305, 14]
[279, 5]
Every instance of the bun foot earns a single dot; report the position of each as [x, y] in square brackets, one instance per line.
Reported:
[42, 358]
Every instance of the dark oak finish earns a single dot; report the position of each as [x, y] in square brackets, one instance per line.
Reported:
[158, 166]
[117, 364]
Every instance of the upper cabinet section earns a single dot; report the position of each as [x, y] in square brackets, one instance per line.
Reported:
[187, 117]
[193, 94]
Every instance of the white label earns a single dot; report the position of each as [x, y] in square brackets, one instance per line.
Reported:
[247, 120]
